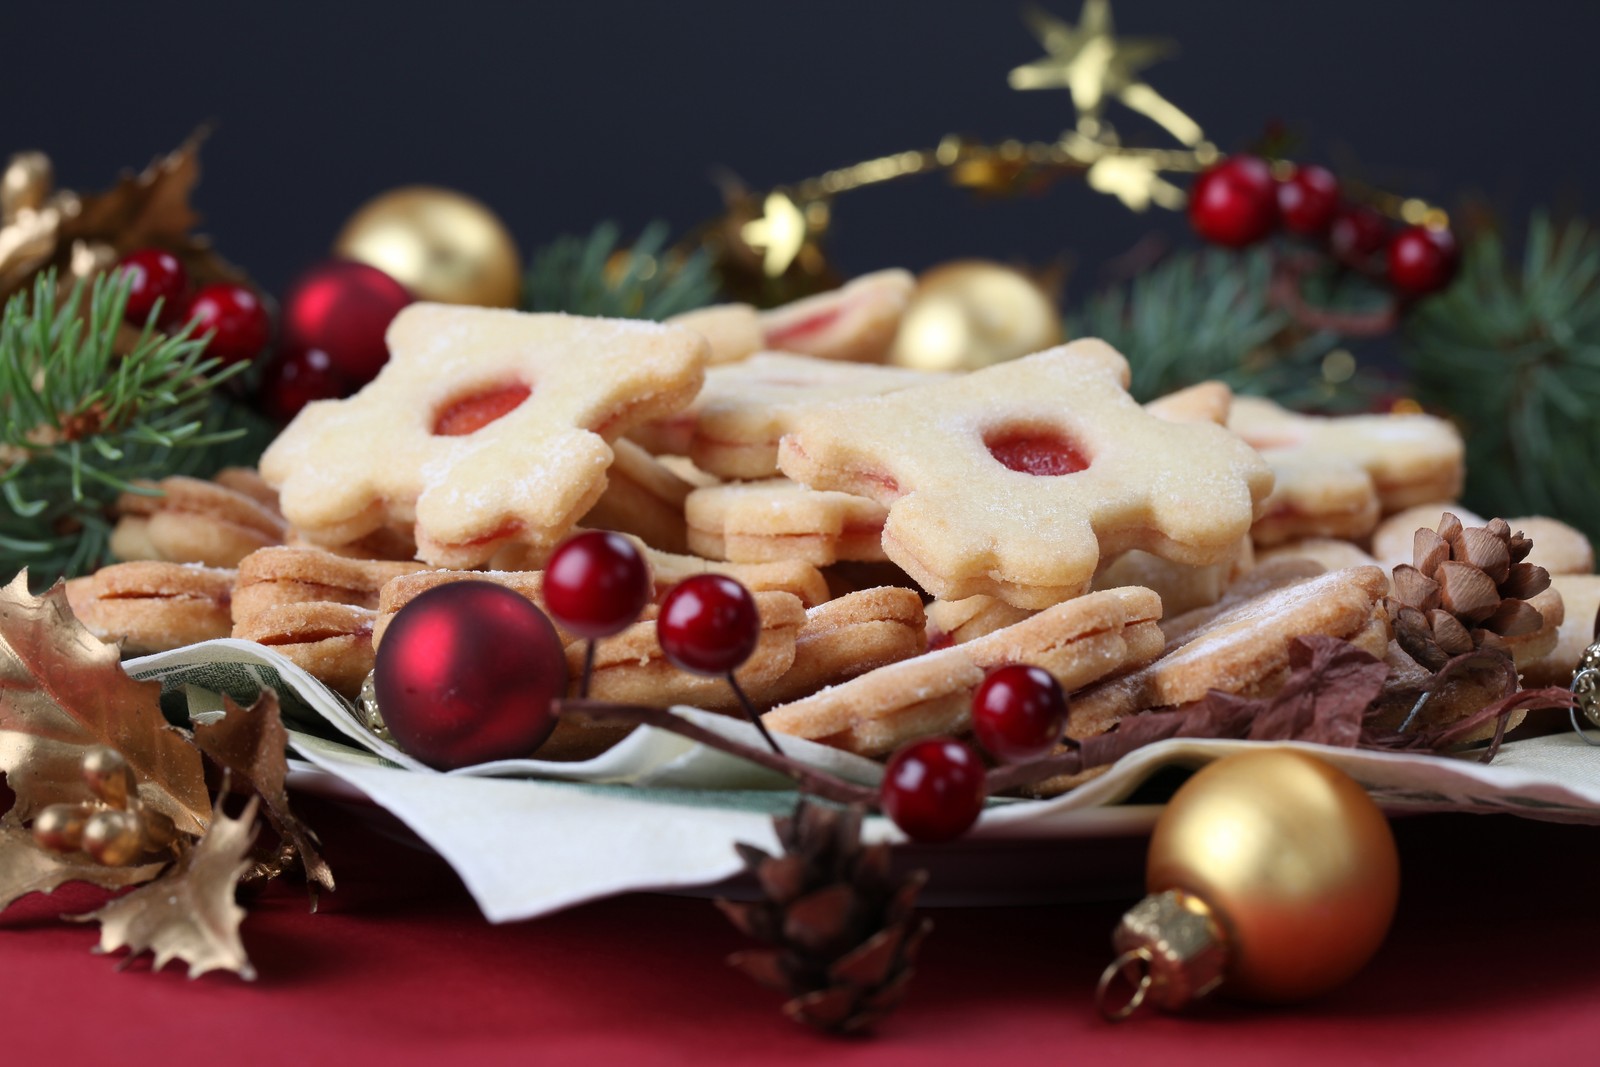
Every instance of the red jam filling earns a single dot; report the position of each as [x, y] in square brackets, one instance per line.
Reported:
[805, 327]
[472, 413]
[1043, 453]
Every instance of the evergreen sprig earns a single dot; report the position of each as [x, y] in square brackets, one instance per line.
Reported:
[593, 275]
[81, 423]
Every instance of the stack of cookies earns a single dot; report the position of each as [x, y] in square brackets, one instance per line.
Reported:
[903, 532]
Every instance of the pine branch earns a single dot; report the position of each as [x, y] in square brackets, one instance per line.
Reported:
[593, 276]
[81, 422]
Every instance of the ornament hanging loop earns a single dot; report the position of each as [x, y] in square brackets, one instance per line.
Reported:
[1586, 687]
[1141, 987]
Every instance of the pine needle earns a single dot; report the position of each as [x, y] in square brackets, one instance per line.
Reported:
[594, 275]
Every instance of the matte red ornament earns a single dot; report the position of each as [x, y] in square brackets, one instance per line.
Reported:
[1308, 199]
[296, 377]
[154, 274]
[344, 309]
[235, 317]
[1423, 259]
[467, 673]
[1019, 712]
[1357, 234]
[596, 584]
[933, 789]
[1235, 202]
[708, 624]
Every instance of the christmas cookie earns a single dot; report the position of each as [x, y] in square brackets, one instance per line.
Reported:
[1079, 642]
[485, 428]
[1202, 402]
[1180, 586]
[644, 498]
[1316, 495]
[330, 641]
[1016, 480]
[151, 606]
[733, 331]
[274, 577]
[1332, 553]
[1557, 547]
[186, 520]
[776, 519]
[857, 323]
[955, 622]
[1580, 596]
[1392, 541]
[843, 638]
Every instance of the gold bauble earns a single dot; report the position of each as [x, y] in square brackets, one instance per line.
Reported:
[440, 244]
[971, 313]
[1295, 860]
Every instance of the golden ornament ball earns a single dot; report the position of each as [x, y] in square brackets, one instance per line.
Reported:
[1295, 860]
[440, 244]
[971, 313]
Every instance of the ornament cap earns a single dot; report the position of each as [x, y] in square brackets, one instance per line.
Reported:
[1180, 950]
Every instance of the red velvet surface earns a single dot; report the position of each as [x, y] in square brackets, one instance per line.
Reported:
[1494, 958]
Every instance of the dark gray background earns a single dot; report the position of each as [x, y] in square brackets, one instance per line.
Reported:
[562, 115]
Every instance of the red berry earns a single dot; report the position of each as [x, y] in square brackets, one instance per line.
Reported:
[1307, 199]
[709, 624]
[154, 274]
[238, 318]
[1235, 202]
[596, 584]
[933, 789]
[295, 378]
[467, 673]
[1019, 712]
[1422, 259]
[1356, 235]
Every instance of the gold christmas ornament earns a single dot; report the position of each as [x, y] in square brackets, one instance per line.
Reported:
[1273, 876]
[441, 244]
[972, 313]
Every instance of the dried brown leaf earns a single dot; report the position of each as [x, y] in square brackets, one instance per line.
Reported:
[189, 913]
[26, 868]
[63, 690]
[253, 744]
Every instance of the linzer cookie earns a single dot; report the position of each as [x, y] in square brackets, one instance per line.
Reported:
[857, 323]
[1016, 480]
[1079, 642]
[1393, 540]
[1316, 495]
[274, 577]
[775, 519]
[1332, 553]
[1181, 587]
[332, 642]
[732, 330]
[1580, 597]
[151, 606]
[1201, 402]
[186, 520]
[843, 638]
[643, 497]
[485, 428]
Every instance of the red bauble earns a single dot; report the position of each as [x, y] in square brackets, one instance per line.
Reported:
[1235, 202]
[1422, 259]
[596, 584]
[296, 377]
[154, 274]
[1356, 235]
[1019, 712]
[236, 319]
[344, 308]
[708, 624]
[466, 674]
[1308, 199]
[933, 789]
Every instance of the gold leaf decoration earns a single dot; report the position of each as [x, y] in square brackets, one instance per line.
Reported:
[26, 868]
[62, 691]
[252, 744]
[189, 913]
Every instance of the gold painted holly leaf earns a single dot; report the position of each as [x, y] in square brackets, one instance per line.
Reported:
[189, 913]
[27, 868]
[63, 690]
[252, 743]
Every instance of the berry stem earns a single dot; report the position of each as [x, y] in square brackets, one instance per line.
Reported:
[752, 714]
[588, 669]
[1284, 292]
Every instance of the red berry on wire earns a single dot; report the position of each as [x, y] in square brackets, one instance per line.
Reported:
[1235, 202]
[235, 317]
[596, 584]
[1019, 712]
[1357, 234]
[708, 624]
[1423, 259]
[154, 274]
[294, 378]
[933, 789]
[1308, 199]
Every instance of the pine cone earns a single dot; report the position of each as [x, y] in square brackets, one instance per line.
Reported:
[1468, 589]
[843, 930]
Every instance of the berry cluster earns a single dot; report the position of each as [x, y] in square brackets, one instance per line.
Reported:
[1239, 201]
[232, 314]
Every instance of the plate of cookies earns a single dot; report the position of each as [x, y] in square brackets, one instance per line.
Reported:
[902, 533]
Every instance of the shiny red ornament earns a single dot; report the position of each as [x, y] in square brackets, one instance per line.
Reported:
[236, 319]
[1356, 235]
[467, 673]
[294, 378]
[708, 624]
[1308, 199]
[1423, 259]
[596, 584]
[1019, 712]
[933, 789]
[154, 274]
[1235, 202]
[344, 308]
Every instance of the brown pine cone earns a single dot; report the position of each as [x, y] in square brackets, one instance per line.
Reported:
[843, 931]
[1467, 588]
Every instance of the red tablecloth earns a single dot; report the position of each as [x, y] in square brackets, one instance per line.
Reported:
[1494, 958]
